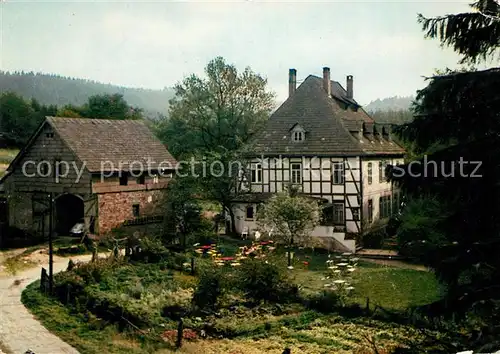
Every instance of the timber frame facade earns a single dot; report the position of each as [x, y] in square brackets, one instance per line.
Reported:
[338, 157]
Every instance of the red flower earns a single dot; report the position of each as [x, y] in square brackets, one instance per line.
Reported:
[306, 263]
[187, 334]
[263, 243]
[206, 247]
[227, 258]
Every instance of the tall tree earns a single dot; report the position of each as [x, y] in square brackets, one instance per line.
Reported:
[103, 106]
[222, 111]
[475, 35]
[461, 111]
[20, 118]
[211, 119]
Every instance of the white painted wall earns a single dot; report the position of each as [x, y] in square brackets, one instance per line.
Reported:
[320, 231]
[317, 180]
[376, 189]
[240, 217]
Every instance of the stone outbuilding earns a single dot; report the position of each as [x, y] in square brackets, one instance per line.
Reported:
[105, 173]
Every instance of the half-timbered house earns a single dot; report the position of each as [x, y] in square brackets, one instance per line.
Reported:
[104, 173]
[321, 140]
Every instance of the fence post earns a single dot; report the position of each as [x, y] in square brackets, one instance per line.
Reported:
[180, 332]
[68, 294]
[43, 280]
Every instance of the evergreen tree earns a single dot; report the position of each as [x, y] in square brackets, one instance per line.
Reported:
[459, 183]
[475, 35]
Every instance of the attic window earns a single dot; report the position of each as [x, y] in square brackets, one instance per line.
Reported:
[49, 135]
[298, 136]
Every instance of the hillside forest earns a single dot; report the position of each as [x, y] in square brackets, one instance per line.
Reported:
[27, 97]
[50, 90]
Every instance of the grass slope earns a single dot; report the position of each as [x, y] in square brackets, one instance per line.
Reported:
[264, 329]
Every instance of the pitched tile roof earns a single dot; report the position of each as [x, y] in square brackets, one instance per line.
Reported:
[99, 140]
[330, 124]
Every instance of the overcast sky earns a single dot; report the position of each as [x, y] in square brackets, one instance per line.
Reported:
[155, 44]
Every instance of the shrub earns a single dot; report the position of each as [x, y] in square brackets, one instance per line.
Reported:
[94, 272]
[151, 250]
[265, 281]
[211, 287]
[68, 285]
[327, 301]
[177, 303]
[375, 239]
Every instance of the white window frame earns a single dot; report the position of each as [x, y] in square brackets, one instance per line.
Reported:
[293, 172]
[336, 178]
[256, 173]
[381, 171]
[298, 136]
[370, 172]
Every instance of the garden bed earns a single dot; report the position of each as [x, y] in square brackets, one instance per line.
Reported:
[118, 306]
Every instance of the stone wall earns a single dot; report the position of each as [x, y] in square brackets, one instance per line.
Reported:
[21, 211]
[115, 208]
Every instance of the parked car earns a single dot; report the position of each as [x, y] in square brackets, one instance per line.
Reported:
[78, 229]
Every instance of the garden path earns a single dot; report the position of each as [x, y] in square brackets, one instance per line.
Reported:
[19, 330]
[397, 264]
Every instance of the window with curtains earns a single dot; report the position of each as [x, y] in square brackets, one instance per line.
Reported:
[256, 173]
[385, 206]
[338, 173]
[296, 173]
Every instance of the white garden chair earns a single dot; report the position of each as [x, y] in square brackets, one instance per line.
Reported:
[244, 234]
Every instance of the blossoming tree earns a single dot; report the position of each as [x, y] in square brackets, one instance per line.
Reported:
[291, 216]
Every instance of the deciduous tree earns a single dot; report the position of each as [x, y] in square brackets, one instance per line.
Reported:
[211, 119]
[291, 217]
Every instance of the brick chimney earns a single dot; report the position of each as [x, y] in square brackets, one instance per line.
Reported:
[292, 81]
[349, 86]
[327, 85]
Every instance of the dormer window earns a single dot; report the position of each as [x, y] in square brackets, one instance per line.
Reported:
[298, 136]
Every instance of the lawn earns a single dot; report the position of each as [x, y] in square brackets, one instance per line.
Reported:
[142, 291]
[389, 287]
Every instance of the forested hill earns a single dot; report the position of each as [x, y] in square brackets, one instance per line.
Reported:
[394, 110]
[58, 90]
[394, 103]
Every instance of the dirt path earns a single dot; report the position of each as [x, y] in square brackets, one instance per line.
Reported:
[396, 263]
[36, 258]
[19, 330]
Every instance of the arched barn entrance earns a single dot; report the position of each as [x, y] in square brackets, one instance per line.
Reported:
[69, 211]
